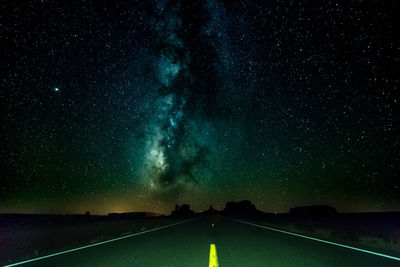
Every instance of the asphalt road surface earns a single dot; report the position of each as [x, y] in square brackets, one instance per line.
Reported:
[237, 244]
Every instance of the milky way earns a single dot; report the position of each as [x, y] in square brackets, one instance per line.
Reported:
[140, 106]
[174, 144]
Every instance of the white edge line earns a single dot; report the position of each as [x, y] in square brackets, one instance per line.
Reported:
[96, 244]
[319, 240]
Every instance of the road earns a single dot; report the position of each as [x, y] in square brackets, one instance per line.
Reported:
[237, 244]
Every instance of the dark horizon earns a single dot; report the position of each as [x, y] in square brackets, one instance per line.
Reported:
[196, 211]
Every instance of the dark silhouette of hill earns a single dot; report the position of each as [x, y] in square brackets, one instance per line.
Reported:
[44, 219]
[211, 211]
[313, 210]
[242, 208]
[132, 215]
[58, 219]
[182, 211]
[246, 208]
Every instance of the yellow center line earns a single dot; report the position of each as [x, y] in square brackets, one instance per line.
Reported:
[213, 256]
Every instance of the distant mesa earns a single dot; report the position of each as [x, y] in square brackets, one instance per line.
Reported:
[132, 215]
[314, 210]
[243, 208]
[246, 208]
[211, 211]
[182, 211]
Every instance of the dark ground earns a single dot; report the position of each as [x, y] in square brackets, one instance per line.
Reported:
[237, 244]
[28, 236]
[377, 231]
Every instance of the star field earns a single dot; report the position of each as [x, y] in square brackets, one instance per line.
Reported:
[128, 106]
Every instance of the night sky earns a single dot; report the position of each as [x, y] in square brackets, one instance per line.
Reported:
[141, 105]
